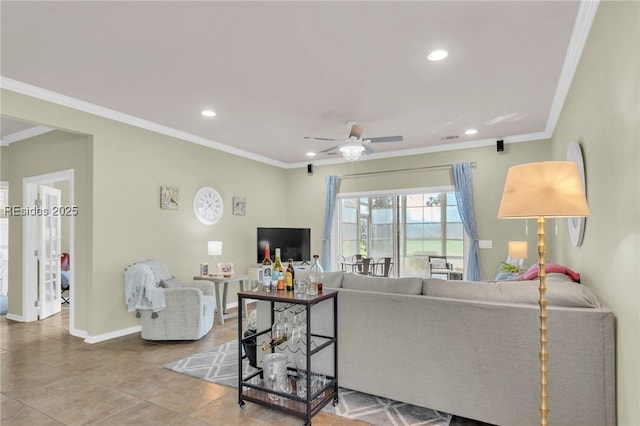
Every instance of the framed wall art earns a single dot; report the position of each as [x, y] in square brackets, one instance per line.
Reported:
[239, 206]
[169, 198]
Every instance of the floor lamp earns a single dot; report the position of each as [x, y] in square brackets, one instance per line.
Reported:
[541, 190]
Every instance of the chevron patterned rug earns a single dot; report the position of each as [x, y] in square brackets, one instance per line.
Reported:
[221, 366]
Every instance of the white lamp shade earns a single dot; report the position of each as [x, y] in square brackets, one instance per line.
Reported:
[518, 249]
[215, 248]
[549, 189]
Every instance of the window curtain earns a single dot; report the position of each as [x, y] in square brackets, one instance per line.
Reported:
[330, 206]
[464, 196]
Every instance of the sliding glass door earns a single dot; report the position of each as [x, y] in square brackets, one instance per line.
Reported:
[408, 227]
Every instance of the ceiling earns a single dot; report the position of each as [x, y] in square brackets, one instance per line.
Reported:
[275, 72]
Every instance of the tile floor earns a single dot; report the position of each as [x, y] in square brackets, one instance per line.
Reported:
[48, 377]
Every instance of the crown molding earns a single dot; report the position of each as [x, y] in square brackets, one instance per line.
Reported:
[584, 19]
[25, 134]
[80, 105]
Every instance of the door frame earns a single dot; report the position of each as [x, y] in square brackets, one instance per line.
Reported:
[30, 244]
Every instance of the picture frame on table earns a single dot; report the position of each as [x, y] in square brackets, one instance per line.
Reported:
[226, 269]
[204, 269]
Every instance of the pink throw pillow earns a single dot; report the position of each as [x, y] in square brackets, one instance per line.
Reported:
[532, 273]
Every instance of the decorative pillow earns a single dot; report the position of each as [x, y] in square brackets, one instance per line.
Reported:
[532, 273]
[506, 272]
[170, 283]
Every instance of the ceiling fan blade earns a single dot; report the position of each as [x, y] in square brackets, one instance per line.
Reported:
[386, 139]
[324, 151]
[322, 139]
[356, 131]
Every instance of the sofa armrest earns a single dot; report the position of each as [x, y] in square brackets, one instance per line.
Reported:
[206, 287]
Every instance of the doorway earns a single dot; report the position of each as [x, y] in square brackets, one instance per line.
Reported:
[31, 242]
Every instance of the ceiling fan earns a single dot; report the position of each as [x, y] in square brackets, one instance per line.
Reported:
[353, 146]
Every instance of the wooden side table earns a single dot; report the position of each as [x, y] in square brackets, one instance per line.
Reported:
[221, 299]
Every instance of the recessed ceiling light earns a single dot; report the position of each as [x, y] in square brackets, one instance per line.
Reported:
[311, 154]
[208, 113]
[437, 55]
[471, 132]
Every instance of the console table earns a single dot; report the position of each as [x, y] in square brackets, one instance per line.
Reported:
[221, 300]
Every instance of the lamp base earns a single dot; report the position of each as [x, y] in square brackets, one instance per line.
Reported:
[544, 355]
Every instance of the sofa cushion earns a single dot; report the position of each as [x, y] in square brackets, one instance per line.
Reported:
[561, 291]
[331, 279]
[407, 285]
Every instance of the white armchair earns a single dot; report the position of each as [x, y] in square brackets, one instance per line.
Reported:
[168, 309]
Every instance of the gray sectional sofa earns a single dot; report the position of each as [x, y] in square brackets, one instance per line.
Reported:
[471, 348]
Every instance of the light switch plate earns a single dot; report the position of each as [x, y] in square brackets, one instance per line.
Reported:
[485, 244]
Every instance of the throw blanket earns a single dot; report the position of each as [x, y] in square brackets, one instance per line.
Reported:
[140, 290]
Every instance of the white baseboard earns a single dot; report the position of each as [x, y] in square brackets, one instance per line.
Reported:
[113, 334]
[14, 317]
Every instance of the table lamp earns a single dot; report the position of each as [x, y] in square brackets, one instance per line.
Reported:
[518, 252]
[214, 249]
[541, 190]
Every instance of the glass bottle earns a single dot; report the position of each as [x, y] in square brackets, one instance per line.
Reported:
[266, 269]
[278, 271]
[291, 275]
[316, 274]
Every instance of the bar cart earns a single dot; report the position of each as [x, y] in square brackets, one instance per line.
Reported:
[253, 386]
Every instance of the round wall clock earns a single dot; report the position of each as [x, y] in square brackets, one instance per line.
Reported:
[576, 224]
[208, 205]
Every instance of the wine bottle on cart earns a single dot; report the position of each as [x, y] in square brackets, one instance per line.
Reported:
[316, 274]
[291, 275]
[267, 269]
[279, 270]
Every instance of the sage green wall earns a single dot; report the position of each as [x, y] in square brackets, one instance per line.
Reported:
[602, 112]
[4, 163]
[129, 165]
[49, 153]
[488, 181]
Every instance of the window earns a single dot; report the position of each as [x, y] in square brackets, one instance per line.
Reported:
[407, 227]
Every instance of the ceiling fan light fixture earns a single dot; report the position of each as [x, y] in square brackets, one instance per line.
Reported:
[437, 55]
[351, 152]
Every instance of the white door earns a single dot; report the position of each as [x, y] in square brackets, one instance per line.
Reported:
[49, 252]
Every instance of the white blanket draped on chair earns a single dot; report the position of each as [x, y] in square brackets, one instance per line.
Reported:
[141, 290]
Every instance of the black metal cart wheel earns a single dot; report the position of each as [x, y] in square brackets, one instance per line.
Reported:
[242, 405]
[335, 402]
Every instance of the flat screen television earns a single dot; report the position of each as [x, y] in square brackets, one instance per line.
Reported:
[294, 243]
